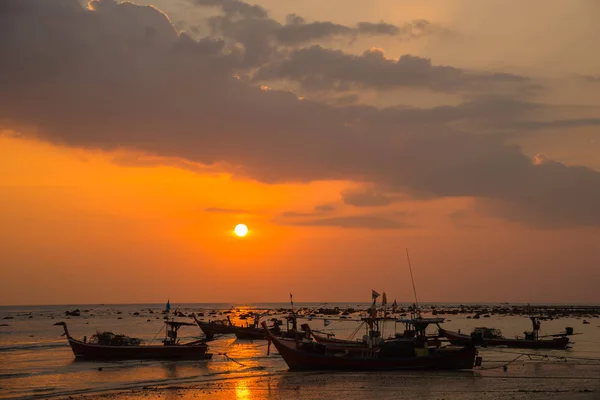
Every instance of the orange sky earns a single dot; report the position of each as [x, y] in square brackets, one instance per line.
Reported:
[105, 206]
[77, 228]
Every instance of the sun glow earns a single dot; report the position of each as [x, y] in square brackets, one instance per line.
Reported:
[241, 230]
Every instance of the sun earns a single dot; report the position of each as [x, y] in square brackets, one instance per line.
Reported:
[241, 230]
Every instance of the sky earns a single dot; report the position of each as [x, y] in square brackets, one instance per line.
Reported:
[134, 137]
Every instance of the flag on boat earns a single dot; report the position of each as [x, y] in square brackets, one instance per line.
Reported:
[383, 299]
[394, 306]
[374, 294]
[326, 322]
[291, 301]
[168, 306]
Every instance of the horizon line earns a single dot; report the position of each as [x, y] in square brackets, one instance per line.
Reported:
[240, 304]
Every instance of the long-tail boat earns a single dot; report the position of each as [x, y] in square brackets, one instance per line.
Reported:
[133, 349]
[400, 354]
[493, 337]
[211, 328]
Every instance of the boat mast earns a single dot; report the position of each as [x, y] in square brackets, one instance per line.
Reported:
[413, 281]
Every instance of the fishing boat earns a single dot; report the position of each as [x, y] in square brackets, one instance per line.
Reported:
[225, 326]
[330, 340]
[493, 337]
[400, 354]
[373, 337]
[126, 348]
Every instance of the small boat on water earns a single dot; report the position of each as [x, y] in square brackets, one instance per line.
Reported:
[107, 346]
[399, 354]
[225, 326]
[493, 337]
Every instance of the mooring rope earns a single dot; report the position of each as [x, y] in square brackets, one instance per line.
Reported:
[505, 366]
[546, 355]
[231, 359]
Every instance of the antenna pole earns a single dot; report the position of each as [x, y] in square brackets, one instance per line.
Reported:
[412, 279]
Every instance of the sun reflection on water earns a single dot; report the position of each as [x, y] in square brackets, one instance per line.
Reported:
[242, 391]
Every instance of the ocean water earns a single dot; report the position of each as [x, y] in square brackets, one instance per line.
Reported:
[36, 362]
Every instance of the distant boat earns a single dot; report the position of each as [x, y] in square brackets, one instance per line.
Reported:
[225, 326]
[493, 337]
[132, 349]
[393, 355]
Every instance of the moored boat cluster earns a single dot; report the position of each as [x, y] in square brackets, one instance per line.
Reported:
[302, 347]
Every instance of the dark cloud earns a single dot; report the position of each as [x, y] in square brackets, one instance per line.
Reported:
[301, 32]
[551, 195]
[120, 76]
[273, 47]
[353, 222]
[323, 208]
[415, 28]
[318, 210]
[483, 113]
[379, 28]
[262, 37]
[480, 111]
[366, 197]
[227, 210]
[319, 68]
[235, 8]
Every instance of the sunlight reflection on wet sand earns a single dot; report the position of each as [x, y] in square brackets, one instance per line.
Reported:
[525, 381]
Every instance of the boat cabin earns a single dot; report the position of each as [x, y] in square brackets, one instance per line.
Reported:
[171, 331]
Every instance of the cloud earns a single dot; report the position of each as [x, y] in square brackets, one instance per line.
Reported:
[319, 68]
[299, 31]
[366, 197]
[563, 123]
[235, 8]
[353, 222]
[323, 208]
[262, 37]
[119, 76]
[552, 195]
[318, 210]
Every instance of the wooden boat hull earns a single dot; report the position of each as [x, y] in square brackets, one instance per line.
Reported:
[556, 343]
[241, 332]
[211, 329]
[460, 359]
[88, 351]
[338, 342]
[250, 334]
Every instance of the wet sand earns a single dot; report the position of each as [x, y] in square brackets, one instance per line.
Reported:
[521, 381]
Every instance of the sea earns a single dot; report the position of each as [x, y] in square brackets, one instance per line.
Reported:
[36, 362]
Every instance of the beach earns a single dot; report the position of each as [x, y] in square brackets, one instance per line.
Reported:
[38, 364]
